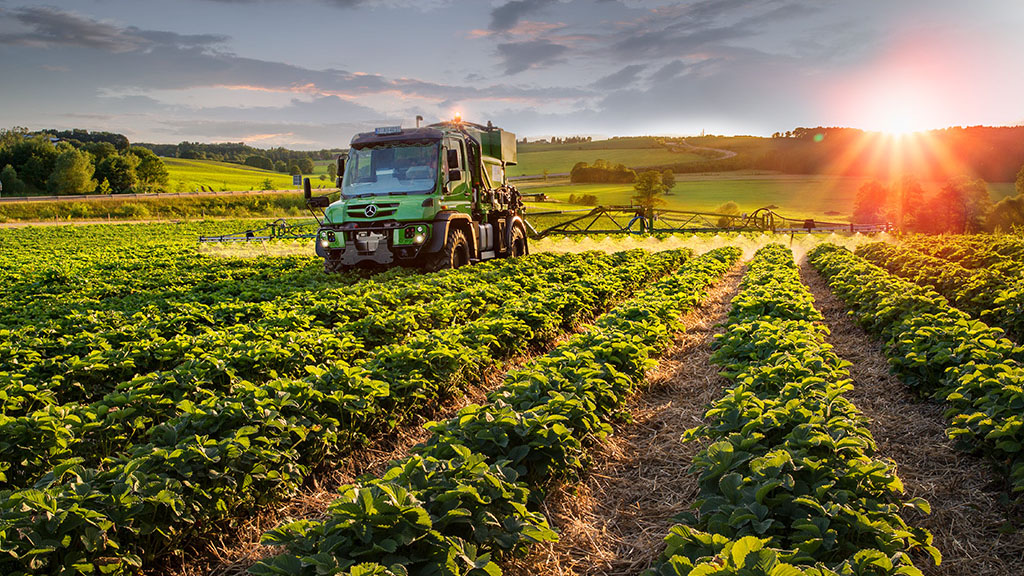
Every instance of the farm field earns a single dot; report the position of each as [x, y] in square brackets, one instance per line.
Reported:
[796, 196]
[169, 410]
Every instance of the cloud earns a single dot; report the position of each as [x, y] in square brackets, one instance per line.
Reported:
[47, 27]
[507, 15]
[521, 56]
[626, 75]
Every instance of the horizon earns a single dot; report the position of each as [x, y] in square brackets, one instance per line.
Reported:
[308, 75]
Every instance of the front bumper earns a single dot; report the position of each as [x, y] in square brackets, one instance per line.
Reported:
[382, 243]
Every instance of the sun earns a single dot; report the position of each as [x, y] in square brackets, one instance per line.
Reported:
[897, 112]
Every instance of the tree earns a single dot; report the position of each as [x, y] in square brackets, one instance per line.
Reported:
[869, 208]
[731, 209]
[294, 170]
[907, 203]
[257, 161]
[72, 173]
[306, 165]
[332, 171]
[119, 172]
[100, 150]
[281, 166]
[668, 178]
[12, 185]
[961, 206]
[648, 188]
[151, 170]
[1020, 181]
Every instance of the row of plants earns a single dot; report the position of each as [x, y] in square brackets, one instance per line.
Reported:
[939, 351]
[42, 437]
[980, 292]
[96, 270]
[999, 253]
[255, 445]
[789, 482]
[202, 344]
[470, 495]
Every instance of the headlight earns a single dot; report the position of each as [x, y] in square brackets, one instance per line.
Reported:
[419, 238]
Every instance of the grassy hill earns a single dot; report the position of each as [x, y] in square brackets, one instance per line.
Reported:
[796, 196]
[189, 175]
[535, 157]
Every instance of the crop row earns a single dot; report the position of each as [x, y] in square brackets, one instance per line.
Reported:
[938, 350]
[48, 271]
[984, 294]
[288, 336]
[148, 405]
[258, 338]
[1003, 254]
[789, 483]
[470, 494]
[256, 445]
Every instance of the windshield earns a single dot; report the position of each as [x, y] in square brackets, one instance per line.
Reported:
[404, 168]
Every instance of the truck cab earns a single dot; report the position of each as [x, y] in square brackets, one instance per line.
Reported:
[435, 197]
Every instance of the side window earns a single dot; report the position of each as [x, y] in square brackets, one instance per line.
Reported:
[451, 144]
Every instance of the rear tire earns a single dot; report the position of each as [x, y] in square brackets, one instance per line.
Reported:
[454, 253]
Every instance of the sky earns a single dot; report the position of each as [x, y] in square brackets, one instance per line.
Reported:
[308, 74]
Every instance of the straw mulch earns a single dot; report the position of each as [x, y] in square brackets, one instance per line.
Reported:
[971, 519]
[615, 520]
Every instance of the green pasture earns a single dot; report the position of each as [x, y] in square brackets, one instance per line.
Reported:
[190, 175]
[825, 198]
[561, 160]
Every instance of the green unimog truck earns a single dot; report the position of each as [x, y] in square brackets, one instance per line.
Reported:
[435, 197]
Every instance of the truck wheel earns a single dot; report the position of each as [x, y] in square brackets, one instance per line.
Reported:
[517, 243]
[453, 254]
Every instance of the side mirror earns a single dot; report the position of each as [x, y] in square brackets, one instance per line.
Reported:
[337, 182]
[341, 168]
[454, 175]
[307, 189]
[319, 202]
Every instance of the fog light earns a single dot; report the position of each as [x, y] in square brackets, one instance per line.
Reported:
[419, 238]
[325, 243]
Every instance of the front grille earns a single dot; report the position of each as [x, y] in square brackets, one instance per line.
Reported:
[384, 209]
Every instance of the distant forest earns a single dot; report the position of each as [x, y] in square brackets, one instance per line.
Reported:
[992, 154]
[240, 153]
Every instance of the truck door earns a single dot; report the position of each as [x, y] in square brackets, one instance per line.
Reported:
[459, 192]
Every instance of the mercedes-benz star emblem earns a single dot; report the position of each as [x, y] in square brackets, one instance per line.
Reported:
[370, 210]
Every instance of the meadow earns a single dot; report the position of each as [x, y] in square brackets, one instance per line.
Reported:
[826, 198]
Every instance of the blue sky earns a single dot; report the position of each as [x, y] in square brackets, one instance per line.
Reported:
[310, 73]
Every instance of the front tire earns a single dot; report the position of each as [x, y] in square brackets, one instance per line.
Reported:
[517, 245]
[454, 253]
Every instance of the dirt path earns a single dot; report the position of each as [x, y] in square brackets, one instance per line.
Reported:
[968, 516]
[684, 146]
[615, 521]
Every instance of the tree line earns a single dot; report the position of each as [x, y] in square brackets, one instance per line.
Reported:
[76, 162]
[962, 205]
[278, 159]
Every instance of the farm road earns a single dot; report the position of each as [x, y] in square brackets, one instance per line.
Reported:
[684, 146]
[965, 496]
[615, 521]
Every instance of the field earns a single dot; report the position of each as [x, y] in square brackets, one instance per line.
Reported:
[708, 404]
[796, 196]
